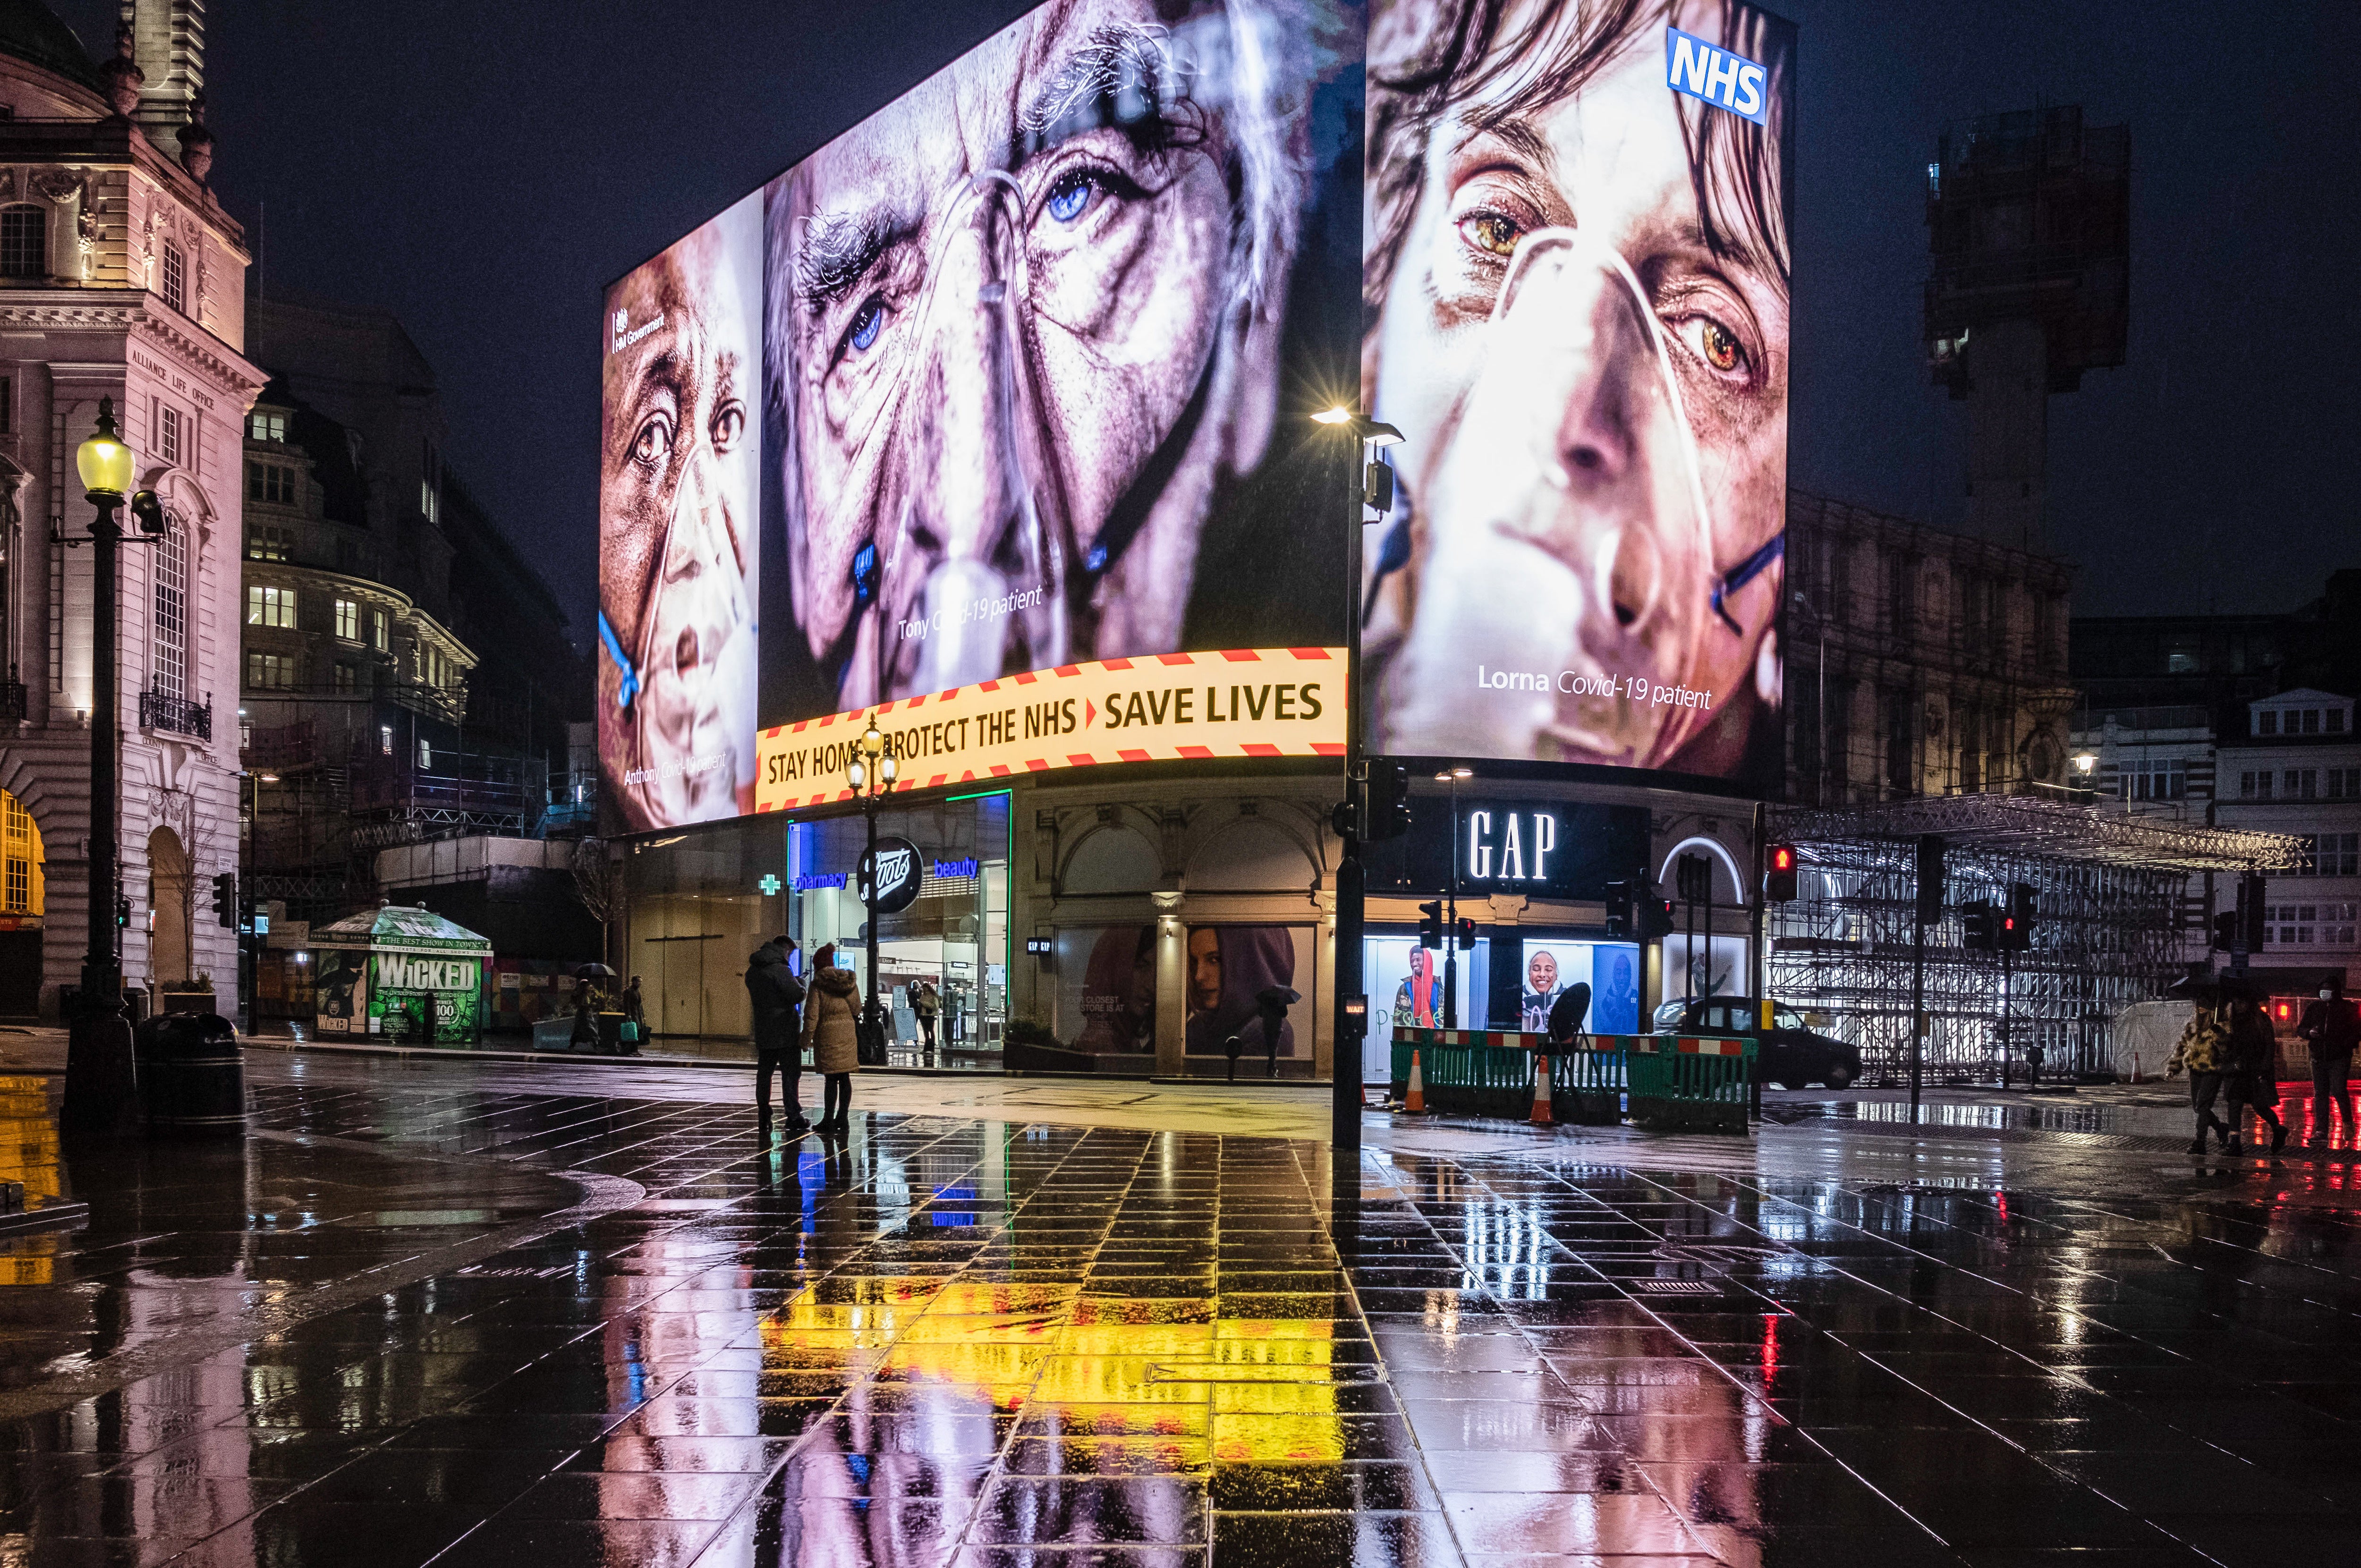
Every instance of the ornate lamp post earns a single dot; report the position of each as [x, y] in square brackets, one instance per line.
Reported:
[100, 1085]
[870, 775]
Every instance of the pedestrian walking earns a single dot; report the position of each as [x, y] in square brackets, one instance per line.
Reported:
[832, 1030]
[635, 1007]
[776, 998]
[2331, 1027]
[2253, 1071]
[2204, 1051]
[927, 1004]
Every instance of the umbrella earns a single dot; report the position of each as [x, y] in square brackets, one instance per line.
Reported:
[593, 971]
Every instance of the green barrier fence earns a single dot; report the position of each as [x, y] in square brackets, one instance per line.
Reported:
[1683, 1084]
[1693, 1084]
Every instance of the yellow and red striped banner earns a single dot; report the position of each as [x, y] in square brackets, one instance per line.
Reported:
[1240, 702]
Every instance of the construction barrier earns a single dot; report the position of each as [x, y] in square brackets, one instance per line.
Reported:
[1480, 1072]
[1690, 1083]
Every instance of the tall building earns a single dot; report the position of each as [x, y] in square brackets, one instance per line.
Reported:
[407, 677]
[1920, 662]
[2029, 219]
[121, 277]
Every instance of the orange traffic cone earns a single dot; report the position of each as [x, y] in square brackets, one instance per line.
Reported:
[1415, 1103]
[1541, 1117]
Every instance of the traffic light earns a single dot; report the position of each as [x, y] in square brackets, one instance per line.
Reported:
[2017, 926]
[1655, 918]
[226, 899]
[1466, 935]
[2250, 912]
[1618, 908]
[1430, 925]
[1930, 878]
[122, 914]
[1982, 924]
[1779, 874]
[1389, 802]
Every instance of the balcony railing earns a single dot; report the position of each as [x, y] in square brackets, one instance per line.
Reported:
[176, 714]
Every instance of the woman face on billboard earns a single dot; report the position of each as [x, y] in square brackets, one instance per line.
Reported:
[1021, 320]
[1581, 290]
[676, 512]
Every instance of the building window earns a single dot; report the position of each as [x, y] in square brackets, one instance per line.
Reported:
[167, 642]
[2336, 720]
[262, 426]
[2343, 783]
[2266, 722]
[168, 433]
[269, 542]
[270, 482]
[270, 672]
[2166, 779]
[379, 639]
[21, 891]
[2288, 925]
[2338, 854]
[2298, 784]
[24, 242]
[176, 278]
[271, 607]
[385, 739]
[425, 754]
[348, 620]
[7, 405]
[348, 679]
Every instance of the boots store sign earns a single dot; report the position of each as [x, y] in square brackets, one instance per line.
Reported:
[897, 875]
[1543, 849]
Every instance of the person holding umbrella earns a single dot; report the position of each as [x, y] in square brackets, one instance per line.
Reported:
[2253, 1070]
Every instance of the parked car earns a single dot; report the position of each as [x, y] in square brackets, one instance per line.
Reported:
[1790, 1055]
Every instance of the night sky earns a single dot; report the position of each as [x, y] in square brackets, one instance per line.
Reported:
[484, 170]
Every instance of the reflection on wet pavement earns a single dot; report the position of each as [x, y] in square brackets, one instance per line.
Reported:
[382, 1334]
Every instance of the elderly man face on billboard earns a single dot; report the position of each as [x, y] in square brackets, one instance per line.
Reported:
[676, 489]
[1023, 324]
[1578, 281]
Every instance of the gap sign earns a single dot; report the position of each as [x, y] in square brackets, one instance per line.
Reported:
[1724, 80]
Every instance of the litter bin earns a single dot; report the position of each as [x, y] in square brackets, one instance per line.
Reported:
[191, 1077]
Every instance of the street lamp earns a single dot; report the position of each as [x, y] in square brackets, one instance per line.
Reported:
[871, 774]
[1351, 1012]
[100, 1082]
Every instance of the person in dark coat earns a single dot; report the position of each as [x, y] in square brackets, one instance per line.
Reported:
[2331, 1030]
[2253, 1071]
[777, 997]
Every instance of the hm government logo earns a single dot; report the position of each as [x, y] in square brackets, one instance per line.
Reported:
[625, 335]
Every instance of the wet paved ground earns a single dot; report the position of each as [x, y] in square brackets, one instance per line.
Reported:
[385, 1332]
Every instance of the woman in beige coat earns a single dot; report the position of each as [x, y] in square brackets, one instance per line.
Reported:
[832, 1030]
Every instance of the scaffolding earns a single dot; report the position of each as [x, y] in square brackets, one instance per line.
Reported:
[2107, 896]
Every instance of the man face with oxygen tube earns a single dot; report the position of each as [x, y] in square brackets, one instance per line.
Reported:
[1023, 324]
[1580, 289]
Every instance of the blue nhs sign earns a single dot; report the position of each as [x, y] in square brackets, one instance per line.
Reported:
[1724, 80]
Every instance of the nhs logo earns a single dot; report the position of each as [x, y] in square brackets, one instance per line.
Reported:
[1724, 80]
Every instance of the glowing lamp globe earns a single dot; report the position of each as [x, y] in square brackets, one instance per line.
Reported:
[103, 460]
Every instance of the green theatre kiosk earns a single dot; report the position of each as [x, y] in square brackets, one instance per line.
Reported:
[401, 973]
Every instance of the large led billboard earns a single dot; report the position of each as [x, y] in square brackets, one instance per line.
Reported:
[1577, 307]
[988, 419]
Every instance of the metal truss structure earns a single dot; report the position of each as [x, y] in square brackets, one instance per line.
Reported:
[2107, 896]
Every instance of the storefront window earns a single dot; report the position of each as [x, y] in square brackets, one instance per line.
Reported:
[699, 905]
[948, 952]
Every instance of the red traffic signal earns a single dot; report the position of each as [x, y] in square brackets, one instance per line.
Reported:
[1779, 874]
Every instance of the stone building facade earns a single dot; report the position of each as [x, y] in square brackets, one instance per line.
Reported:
[121, 277]
[1920, 662]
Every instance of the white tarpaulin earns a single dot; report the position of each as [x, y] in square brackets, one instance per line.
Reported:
[2146, 1033]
